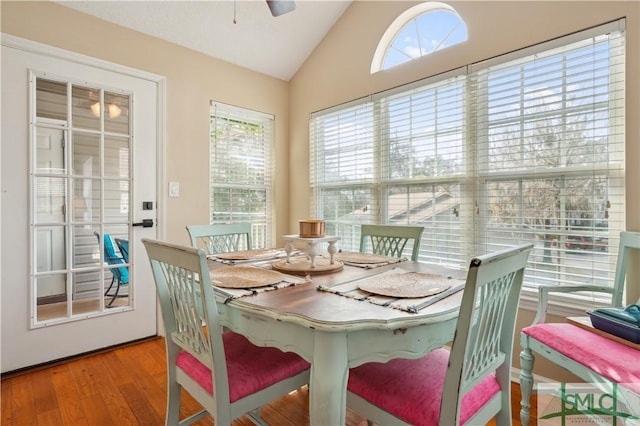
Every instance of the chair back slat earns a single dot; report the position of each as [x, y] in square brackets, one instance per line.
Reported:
[391, 240]
[483, 341]
[184, 288]
[221, 237]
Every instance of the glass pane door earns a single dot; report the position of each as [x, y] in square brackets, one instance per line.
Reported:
[81, 182]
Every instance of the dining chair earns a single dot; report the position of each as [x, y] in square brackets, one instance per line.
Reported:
[566, 345]
[390, 240]
[119, 276]
[470, 384]
[221, 237]
[227, 374]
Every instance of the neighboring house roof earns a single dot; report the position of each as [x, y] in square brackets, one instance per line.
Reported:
[422, 208]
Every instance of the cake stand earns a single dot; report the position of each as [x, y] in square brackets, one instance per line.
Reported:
[310, 265]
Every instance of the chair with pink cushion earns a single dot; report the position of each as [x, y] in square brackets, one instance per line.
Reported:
[593, 358]
[228, 375]
[469, 384]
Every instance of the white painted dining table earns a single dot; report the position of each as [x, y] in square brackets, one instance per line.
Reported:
[335, 333]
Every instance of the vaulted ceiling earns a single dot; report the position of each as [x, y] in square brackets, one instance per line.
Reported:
[242, 32]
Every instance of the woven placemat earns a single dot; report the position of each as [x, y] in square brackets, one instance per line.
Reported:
[249, 254]
[406, 285]
[364, 258]
[245, 277]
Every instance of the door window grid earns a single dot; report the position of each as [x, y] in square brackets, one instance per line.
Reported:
[88, 180]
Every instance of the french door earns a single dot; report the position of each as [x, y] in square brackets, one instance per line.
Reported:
[80, 142]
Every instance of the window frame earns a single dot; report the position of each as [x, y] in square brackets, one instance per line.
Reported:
[563, 303]
[258, 182]
[393, 32]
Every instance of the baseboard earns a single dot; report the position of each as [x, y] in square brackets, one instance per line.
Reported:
[38, 367]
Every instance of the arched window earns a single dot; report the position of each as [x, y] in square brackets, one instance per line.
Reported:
[417, 32]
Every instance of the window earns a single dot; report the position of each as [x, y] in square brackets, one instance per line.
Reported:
[524, 148]
[419, 31]
[240, 169]
[80, 190]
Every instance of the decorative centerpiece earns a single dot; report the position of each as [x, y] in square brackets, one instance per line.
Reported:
[311, 235]
[311, 228]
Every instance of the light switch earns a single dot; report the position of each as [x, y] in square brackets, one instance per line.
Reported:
[174, 189]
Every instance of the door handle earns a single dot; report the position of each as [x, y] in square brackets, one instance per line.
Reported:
[146, 223]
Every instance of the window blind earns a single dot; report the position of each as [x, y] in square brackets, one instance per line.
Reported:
[529, 148]
[549, 133]
[241, 169]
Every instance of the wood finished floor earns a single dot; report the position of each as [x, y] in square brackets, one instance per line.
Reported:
[59, 310]
[127, 386]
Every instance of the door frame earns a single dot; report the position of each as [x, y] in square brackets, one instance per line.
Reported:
[159, 82]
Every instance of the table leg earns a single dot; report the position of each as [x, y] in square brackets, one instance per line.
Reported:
[329, 373]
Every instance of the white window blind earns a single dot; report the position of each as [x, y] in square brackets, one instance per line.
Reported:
[526, 148]
[241, 169]
[550, 143]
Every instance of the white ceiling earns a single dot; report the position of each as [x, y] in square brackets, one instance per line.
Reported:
[276, 46]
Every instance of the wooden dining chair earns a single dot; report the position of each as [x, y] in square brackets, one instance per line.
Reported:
[221, 237]
[390, 240]
[593, 358]
[469, 384]
[228, 375]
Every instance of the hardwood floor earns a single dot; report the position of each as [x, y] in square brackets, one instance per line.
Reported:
[59, 310]
[127, 386]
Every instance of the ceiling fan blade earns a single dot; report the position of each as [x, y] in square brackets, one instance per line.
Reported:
[280, 7]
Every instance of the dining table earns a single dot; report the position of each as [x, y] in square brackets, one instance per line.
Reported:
[337, 330]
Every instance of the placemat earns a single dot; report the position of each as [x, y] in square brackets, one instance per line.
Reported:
[409, 284]
[414, 304]
[241, 281]
[247, 256]
[366, 260]
[244, 277]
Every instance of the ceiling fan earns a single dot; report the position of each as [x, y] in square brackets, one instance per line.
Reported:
[280, 7]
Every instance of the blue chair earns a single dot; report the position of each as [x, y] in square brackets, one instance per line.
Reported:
[123, 246]
[119, 276]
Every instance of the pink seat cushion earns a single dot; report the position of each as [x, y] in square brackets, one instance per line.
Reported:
[251, 368]
[615, 361]
[412, 389]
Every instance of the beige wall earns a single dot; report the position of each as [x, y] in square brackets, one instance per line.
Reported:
[192, 80]
[337, 71]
